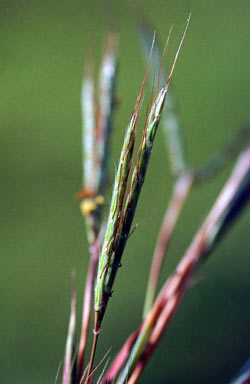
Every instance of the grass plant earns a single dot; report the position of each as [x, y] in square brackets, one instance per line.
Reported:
[107, 237]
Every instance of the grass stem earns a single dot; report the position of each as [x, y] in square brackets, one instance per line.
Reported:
[230, 202]
[180, 193]
[96, 332]
[89, 286]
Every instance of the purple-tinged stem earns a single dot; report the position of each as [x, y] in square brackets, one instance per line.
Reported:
[174, 289]
[69, 359]
[88, 293]
[120, 358]
[96, 332]
[180, 193]
[96, 142]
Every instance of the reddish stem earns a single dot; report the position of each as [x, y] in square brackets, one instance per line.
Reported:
[96, 332]
[87, 301]
[120, 358]
[174, 289]
[89, 285]
[180, 193]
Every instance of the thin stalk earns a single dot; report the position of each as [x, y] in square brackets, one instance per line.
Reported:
[228, 205]
[88, 294]
[146, 328]
[88, 206]
[69, 371]
[117, 364]
[88, 127]
[181, 191]
[121, 358]
[170, 308]
[96, 143]
[132, 341]
[89, 286]
[96, 332]
[106, 107]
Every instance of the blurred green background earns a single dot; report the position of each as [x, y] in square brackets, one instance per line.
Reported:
[43, 44]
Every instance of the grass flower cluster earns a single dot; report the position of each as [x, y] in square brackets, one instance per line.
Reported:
[107, 237]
